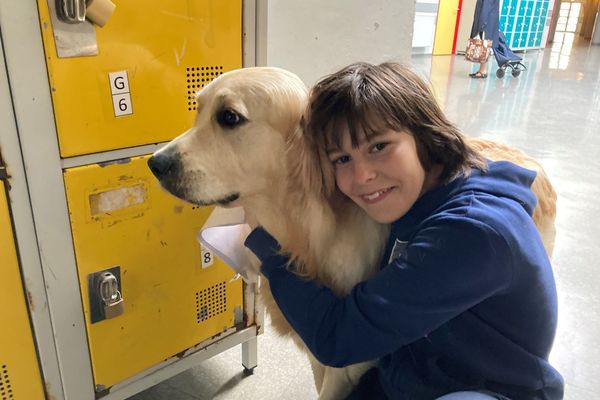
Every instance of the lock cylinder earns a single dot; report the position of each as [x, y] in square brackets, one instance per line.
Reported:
[106, 300]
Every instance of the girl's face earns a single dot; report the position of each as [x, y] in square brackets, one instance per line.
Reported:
[382, 175]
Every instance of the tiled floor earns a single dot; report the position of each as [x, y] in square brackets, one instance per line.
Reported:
[554, 115]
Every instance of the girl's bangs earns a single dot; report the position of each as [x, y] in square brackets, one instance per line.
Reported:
[360, 122]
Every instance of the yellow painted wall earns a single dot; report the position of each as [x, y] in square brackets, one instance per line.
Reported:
[445, 27]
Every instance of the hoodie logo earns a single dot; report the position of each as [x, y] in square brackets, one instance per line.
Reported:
[397, 250]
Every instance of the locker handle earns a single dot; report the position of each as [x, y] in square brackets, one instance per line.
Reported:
[77, 11]
[108, 289]
[106, 300]
[71, 11]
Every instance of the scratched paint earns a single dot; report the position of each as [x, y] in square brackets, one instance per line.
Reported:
[180, 54]
[117, 199]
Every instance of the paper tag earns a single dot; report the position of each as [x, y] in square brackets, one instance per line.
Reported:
[223, 235]
[207, 257]
[121, 95]
[122, 104]
[119, 83]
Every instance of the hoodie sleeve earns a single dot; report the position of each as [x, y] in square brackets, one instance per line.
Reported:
[436, 279]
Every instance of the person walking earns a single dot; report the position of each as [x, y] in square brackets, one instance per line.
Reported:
[485, 25]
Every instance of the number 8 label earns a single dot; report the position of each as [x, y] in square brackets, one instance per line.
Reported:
[207, 257]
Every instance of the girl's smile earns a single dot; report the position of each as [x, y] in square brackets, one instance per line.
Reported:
[382, 174]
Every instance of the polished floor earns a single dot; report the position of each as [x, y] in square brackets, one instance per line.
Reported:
[551, 111]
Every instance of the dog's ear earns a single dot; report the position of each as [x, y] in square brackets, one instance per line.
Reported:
[309, 165]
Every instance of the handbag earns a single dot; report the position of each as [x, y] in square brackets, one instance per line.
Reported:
[478, 49]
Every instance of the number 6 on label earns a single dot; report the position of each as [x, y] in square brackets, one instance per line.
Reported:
[122, 104]
[121, 95]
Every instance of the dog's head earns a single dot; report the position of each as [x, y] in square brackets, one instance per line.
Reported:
[237, 145]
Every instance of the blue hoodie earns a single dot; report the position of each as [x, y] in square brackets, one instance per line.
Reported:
[465, 298]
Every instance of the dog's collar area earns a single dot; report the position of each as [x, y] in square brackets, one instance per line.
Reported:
[229, 199]
[222, 202]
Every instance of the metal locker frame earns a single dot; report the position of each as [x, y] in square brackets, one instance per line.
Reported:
[29, 146]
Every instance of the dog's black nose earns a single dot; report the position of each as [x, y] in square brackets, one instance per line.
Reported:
[160, 164]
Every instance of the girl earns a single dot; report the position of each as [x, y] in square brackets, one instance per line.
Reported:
[464, 305]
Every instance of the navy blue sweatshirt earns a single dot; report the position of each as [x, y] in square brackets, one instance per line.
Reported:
[465, 298]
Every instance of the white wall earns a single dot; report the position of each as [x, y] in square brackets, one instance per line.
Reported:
[467, 13]
[315, 37]
[426, 12]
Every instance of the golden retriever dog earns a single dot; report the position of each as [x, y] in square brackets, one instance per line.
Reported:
[247, 148]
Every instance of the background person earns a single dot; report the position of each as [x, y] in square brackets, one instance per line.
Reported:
[485, 25]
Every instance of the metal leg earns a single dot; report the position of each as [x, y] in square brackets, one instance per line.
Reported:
[250, 355]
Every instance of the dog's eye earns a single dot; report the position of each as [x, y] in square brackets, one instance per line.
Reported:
[229, 118]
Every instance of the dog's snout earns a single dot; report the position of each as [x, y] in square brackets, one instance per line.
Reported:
[161, 164]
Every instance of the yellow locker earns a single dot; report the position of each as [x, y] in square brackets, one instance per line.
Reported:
[445, 27]
[158, 54]
[120, 217]
[19, 372]
[153, 56]
[95, 211]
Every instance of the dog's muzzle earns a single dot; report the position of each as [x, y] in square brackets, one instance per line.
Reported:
[163, 165]
[166, 166]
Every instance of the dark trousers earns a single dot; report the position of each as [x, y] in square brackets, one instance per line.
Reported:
[368, 387]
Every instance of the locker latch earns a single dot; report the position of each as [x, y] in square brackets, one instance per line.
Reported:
[110, 295]
[76, 11]
[106, 300]
[71, 11]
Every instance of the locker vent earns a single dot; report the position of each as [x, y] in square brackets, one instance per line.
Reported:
[6, 392]
[211, 302]
[197, 78]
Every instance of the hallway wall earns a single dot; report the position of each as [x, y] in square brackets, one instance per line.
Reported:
[313, 38]
[590, 9]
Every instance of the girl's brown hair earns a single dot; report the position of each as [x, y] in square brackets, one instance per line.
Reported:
[368, 99]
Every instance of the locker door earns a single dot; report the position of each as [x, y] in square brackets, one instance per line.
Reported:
[173, 299]
[153, 56]
[445, 27]
[19, 372]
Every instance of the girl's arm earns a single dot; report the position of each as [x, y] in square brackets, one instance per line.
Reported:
[449, 267]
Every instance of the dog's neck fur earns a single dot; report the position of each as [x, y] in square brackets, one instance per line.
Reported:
[298, 215]
[301, 221]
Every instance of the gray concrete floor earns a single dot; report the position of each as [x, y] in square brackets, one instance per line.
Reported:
[552, 111]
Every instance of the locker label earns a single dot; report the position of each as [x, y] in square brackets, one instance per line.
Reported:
[118, 82]
[121, 96]
[207, 257]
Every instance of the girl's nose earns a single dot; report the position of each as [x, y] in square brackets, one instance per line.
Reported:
[363, 171]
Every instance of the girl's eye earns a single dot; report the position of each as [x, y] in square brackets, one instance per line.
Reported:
[341, 160]
[378, 147]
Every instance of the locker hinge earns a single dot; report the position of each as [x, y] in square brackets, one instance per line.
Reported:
[3, 174]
